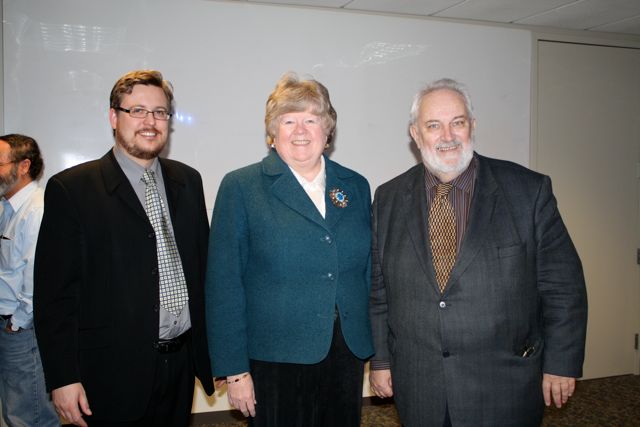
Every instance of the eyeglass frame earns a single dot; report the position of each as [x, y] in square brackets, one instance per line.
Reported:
[146, 113]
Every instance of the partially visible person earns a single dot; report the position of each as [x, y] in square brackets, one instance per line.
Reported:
[25, 401]
[288, 276]
[119, 274]
[478, 302]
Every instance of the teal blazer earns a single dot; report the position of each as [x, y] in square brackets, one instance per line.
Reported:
[277, 270]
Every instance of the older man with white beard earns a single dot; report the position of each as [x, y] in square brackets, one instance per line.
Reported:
[478, 302]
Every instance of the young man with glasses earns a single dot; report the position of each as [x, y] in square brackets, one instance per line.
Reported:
[119, 273]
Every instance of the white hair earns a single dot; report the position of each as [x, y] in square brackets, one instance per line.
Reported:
[448, 84]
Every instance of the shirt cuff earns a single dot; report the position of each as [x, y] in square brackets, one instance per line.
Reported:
[19, 320]
[378, 365]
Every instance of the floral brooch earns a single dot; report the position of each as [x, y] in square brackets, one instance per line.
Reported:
[338, 198]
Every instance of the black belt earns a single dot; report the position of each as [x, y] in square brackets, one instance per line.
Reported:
[171, 345]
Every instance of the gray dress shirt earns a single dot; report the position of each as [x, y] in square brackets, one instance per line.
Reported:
[170, 326]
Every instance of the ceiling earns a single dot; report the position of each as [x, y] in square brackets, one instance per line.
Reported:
[616, 16]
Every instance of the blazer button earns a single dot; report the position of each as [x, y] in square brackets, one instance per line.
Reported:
[445, 354]
[327, 239]
[154, 272]
[152, 235]
[442, 304]
[330, 276]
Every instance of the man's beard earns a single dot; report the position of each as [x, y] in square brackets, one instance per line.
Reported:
[131, 148]
[8, 182]
[438, 167]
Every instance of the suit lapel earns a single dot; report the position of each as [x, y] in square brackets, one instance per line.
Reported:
[335, 182]
[288, 190]
[415, 200]
[479, 222]
[116, 183]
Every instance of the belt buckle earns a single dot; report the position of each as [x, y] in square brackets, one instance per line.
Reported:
[162, 347]
[169, 346]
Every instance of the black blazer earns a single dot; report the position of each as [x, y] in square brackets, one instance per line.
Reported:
[96, 286]
[517, 284]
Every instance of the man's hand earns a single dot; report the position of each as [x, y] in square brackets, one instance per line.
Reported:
[71, 403]
[241, 394]
[380, 381]
[560, 389]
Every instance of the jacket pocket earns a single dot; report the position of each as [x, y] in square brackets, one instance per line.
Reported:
[510, 251]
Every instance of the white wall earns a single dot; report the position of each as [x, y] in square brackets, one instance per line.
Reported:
[603, 221]
[62, 58]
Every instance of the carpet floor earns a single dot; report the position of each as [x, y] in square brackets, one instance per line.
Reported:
[613, 401]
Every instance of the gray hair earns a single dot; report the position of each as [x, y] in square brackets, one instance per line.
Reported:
[448, 84]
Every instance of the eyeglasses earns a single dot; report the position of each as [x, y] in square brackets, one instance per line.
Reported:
[141, 113]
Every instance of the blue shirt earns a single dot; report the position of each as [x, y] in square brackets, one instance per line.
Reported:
[17, 251]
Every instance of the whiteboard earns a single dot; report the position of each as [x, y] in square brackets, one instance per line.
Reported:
[62, 58]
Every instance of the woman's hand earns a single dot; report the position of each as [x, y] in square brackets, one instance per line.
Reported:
[240, 393]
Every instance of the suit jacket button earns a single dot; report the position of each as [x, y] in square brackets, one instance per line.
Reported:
[154, 272]
[442, 304]
[445, 354]
[330, 276]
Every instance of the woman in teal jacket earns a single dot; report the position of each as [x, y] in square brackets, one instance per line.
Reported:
[289, 272]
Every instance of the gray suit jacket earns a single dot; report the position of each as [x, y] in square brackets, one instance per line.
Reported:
[517, 284]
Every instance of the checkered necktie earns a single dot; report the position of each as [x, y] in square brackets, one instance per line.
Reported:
[173, 286]
[442, 233]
